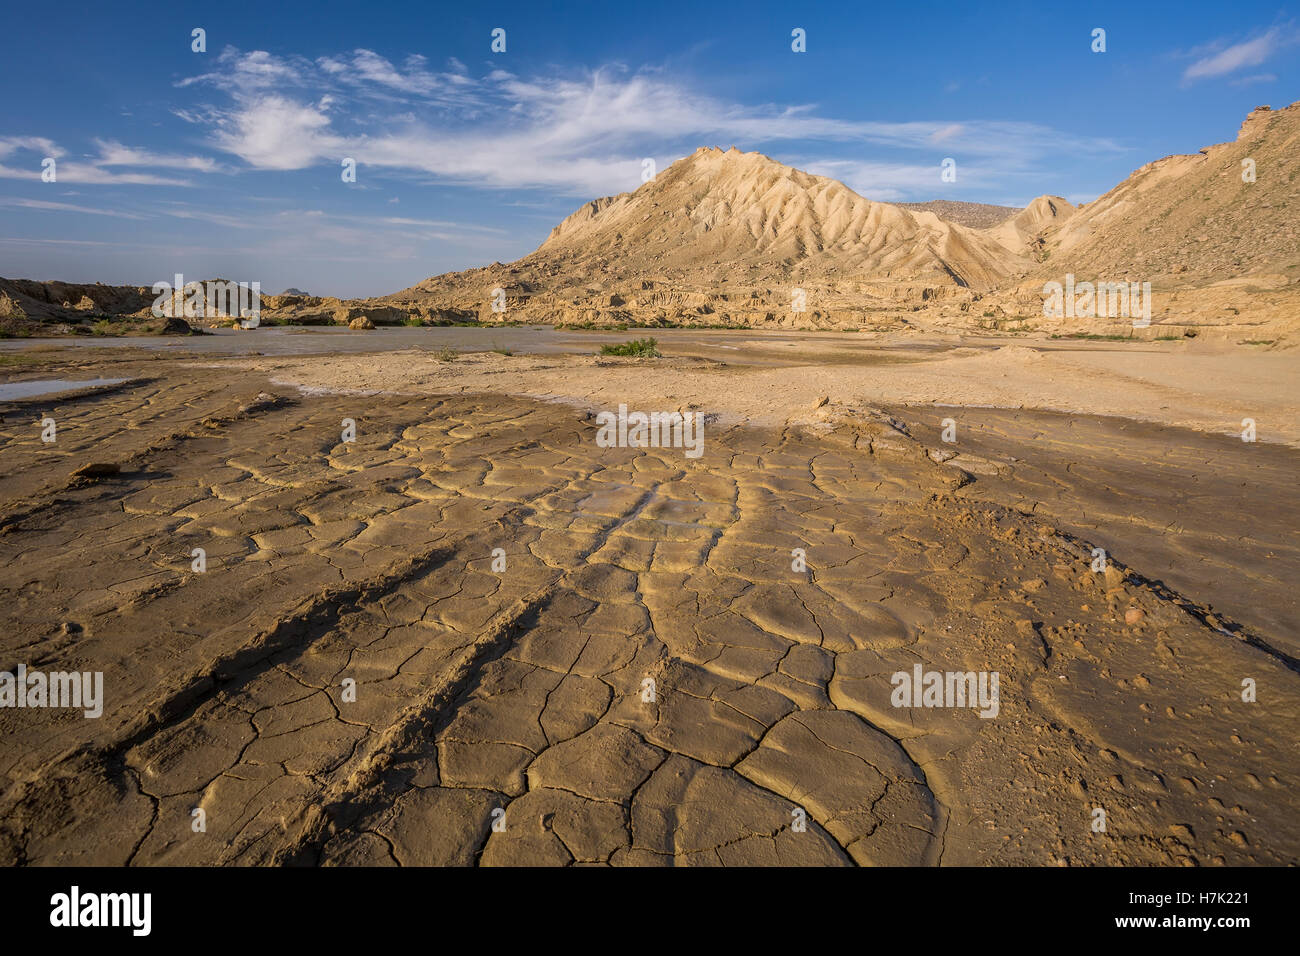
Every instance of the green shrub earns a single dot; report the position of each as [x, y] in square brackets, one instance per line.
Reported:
[637, 348]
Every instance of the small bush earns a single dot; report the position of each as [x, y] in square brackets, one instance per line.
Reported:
[1094, 337]
[637, 348]
[446, 355]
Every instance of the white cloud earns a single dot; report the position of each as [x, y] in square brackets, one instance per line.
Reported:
[272, 132]
[948, 132]
[1253, 79]
[112, 153]
[579, 136]
[88, 174]
[1238, 56]
[370, 67]
[35, 144]
[249, 72]
[890, 182]
[94, 171]
[47, 206]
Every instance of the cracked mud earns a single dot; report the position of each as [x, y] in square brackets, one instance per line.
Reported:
[648, 680]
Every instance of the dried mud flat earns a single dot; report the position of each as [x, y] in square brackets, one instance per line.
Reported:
[523, 690]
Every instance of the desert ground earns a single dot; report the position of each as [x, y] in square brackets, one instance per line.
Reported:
[988, 554]
[645, 672]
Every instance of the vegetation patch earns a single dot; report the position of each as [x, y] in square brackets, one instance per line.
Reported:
[637, 348]
[1094, 337]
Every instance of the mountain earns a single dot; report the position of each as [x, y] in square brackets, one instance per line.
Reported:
[724, 238]
[1195, 217]
[726, 215]
[728, 238]
[1221, 252]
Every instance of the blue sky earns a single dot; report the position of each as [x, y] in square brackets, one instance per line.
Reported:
[227, 162]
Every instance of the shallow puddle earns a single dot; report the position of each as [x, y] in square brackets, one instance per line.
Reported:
[13, 390]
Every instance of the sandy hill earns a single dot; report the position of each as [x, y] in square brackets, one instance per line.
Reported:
[1026, 230]
[1193, 217]
[729, 214]
[1222, 253]
[724, 238]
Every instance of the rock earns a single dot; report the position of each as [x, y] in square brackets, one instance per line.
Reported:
[97, 470]
[822, 400]
[1133, 615]
[261, 402]
[361, 322]
[376, 314]
[177, 327]
[9, 308]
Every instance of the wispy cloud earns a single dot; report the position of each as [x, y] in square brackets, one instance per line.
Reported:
[48, 206]
[35, 144]
[1220, 60]
[579, 135]
[883, 182]
[112, 153]
[95, 170]
[1252, 80]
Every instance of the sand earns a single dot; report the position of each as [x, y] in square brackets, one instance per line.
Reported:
[1205, 388]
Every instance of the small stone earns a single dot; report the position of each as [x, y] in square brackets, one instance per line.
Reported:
[1133, 615]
